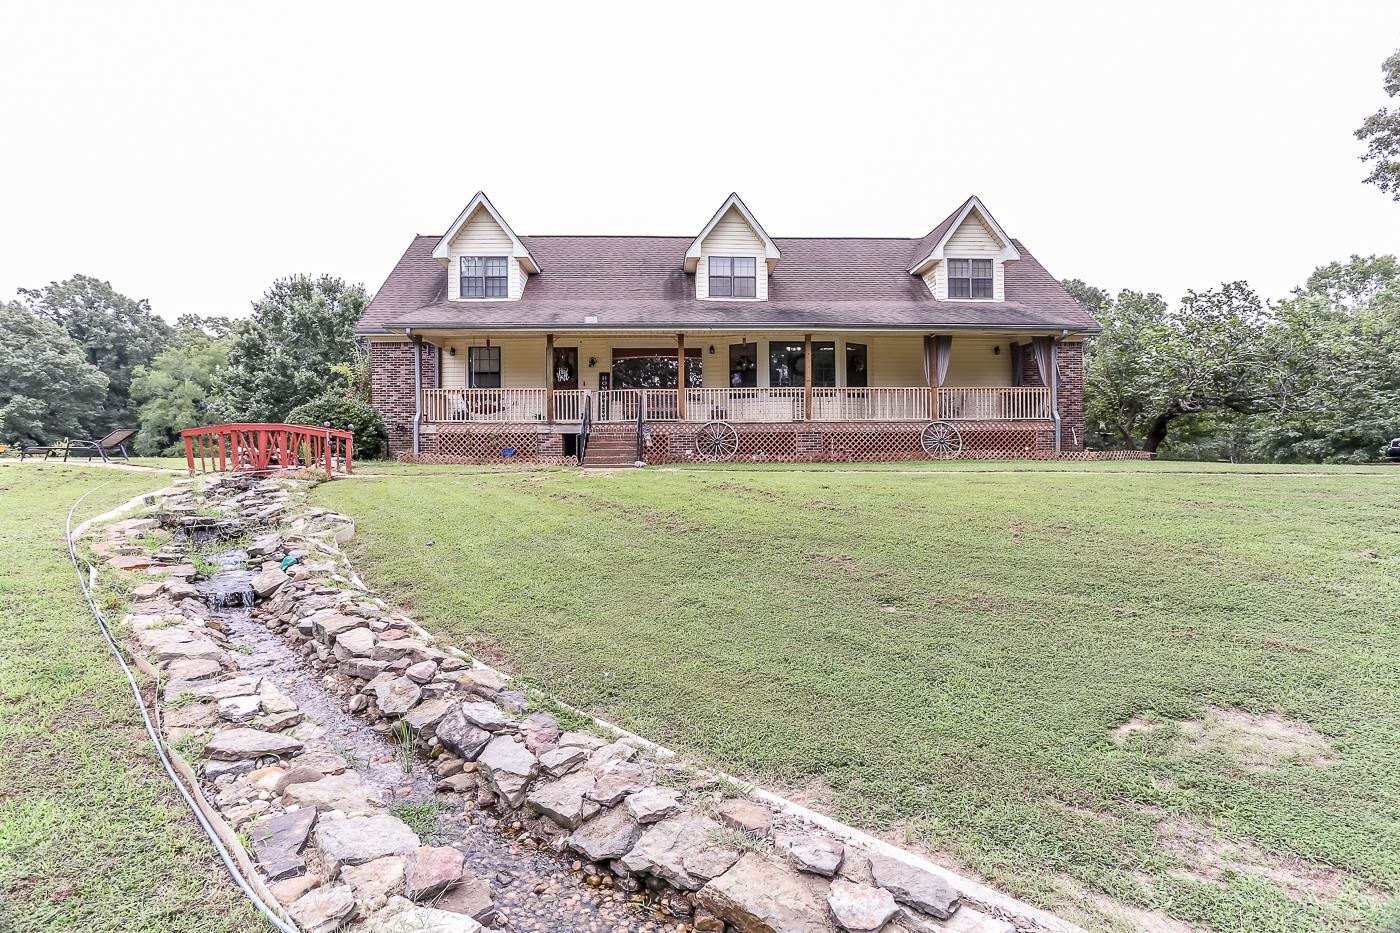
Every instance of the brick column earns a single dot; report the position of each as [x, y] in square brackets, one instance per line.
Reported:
[391, 388]
[1071, 396]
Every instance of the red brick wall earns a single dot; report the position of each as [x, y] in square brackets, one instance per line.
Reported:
[1071, 401]
[391, 388]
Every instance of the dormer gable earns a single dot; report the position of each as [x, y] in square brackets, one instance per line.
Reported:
[735, 252]
[964, 257]
[485, 260]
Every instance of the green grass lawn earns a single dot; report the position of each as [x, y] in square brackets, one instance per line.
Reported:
[944, 655]
[92, 835]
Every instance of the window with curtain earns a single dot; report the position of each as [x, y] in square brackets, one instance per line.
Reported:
[969, 278]
[786, 362]
[484, 277]
[484, 367]
[743, 365]
[733, 277]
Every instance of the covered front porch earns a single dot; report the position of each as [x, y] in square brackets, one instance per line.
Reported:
[567, 379]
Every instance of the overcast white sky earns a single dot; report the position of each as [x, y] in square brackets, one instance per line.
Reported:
[192, 152]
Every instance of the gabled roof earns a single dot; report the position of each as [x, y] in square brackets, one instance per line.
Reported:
[930, 248]
[479, 201]
[771, 252]
[633, 282]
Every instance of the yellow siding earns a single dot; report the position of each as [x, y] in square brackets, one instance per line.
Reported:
[732, 236]
[481, 236]
[972, 240]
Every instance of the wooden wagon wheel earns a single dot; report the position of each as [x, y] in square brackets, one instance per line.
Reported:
[941, 440]
[716, 440]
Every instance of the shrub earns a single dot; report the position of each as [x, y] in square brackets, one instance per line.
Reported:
[371, 439]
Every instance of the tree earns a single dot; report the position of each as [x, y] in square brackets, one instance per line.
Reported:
[284, 354]
[1381, 133]
[1151, 367]
[1091, 299]
[176, 390]
[47, 386]
[116, 334]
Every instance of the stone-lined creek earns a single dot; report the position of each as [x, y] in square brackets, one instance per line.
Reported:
[534, 890]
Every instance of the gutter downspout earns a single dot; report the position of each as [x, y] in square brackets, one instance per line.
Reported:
[418, 388]
[1055, 385]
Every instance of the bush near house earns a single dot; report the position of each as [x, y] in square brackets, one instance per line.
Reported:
[371, 438]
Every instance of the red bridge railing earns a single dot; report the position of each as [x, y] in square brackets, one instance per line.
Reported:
[267, 448]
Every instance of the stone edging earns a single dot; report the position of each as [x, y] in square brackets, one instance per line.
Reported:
[712, 859]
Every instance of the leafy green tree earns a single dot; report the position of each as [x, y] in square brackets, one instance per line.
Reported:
[1381, 133]
[47, 386]
[285, 353]
[176, 390]
[1091, 299]
[115, 333]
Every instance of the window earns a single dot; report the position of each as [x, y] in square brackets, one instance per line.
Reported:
[969, 278]
[743, 365]
[484, 367]
[484, 277]
[856, 361]
[786, 363]
[733, 277]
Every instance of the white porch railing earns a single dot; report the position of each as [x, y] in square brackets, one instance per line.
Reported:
[743, 406]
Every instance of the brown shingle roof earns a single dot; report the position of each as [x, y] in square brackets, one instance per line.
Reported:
[638, 282]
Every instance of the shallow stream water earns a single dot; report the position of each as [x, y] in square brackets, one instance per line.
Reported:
[534, 890]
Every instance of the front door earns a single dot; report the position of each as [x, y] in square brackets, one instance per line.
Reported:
[565, 373]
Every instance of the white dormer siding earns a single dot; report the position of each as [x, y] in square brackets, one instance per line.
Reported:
[482, 236]
[972, 240]
[732, 236]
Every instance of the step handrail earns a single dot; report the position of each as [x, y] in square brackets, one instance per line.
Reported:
[585, 427]
[639, 431]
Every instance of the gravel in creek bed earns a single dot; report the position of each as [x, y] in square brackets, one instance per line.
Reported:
[534, 890]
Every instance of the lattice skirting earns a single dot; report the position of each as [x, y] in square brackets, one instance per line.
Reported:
[764, 443]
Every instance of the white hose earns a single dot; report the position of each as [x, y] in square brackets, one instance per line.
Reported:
[219, 846]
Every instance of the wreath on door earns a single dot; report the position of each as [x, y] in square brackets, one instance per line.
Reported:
[563, 374]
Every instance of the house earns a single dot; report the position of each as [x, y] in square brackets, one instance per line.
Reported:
[726, 344]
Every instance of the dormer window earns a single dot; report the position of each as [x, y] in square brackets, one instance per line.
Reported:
[969, 278]
[484, 277]
[733, 277]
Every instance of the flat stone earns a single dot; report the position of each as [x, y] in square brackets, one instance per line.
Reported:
[585, 740]
[422, 672]
[482, 682]
[678, 850]
[470, 896]
[147, 590]
[375, 882]
[193, 669]
[278, 841]
[860, 908]
[609, 836]
[289, 890]
[363, 668]
[300, 774]
[486, 716]
[420, 919]
[264, 545]
[359, 839]
[507, 766]
[914, 887]
[605, 755]
[169, 644]
[459, 736]
[130, 562]
[966, 920]
[345, 792]
[245, 685]
[240, 709]
[240, 744]
[619, 779]
[426, 715]
[268, 582]
[653, 804]
[457, 783]
[324, 909]
[760, 895]
[558, 762]
[430, 870]
[816, 855]
[565, 801]
[541, 731]
[746, 815]
[354, 643]
[398, 696]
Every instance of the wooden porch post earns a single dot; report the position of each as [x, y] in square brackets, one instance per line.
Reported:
[549, 378]
[807, 377]
[680, 377]
[417, 393]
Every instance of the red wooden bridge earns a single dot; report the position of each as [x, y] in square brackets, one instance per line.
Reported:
[267, 448]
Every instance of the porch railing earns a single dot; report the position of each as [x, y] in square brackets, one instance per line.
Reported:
[753, 405]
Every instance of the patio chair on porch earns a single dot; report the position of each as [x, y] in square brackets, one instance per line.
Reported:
[105, 447]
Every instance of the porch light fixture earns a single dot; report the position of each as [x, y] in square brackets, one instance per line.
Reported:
[592, 362]
[712, 349]
[996, 349]
[451, 351]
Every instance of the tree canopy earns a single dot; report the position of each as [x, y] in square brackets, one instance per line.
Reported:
[285, 354]
[1381, 133]
[176, 391]
[114, 333]
[48, 389]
